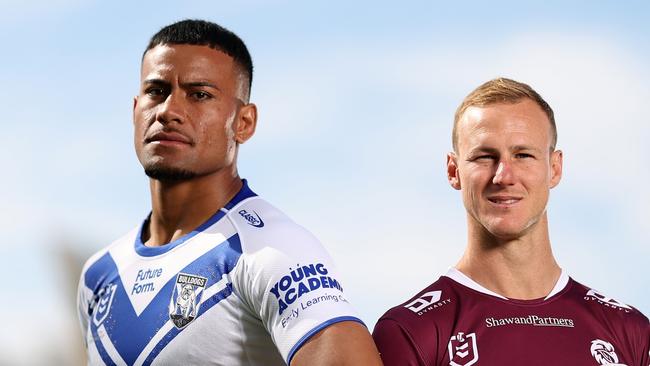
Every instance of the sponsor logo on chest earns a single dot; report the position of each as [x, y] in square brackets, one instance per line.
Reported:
[534, 320]
[144, 280]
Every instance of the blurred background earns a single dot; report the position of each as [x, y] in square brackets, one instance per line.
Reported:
[356, 101]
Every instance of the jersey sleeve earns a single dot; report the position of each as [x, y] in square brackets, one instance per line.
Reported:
[289, 281]
[643, 342]
[83, 298]
[85, 295]
[395, 344]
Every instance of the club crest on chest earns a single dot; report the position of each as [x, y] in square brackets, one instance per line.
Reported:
[186, 299]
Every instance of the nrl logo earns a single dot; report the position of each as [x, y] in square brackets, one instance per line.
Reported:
[463, 350]
[186, 299]
[103, 304]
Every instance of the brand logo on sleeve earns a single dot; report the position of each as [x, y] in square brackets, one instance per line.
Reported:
[427, 301]
[463, 350]
[186, 299]
[253, 219]
[300, 281]
[103, 303]
[606, 301]
[604, 353]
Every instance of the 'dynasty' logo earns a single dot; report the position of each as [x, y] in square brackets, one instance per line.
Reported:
[253, 218]
[302, 280]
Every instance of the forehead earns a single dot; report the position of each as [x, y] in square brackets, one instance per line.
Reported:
[190, 62]
[509, 124]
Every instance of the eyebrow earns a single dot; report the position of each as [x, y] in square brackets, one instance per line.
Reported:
[523, 148]
[483, 149]
[491, 150]
[192, 84]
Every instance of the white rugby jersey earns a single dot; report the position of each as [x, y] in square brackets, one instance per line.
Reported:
[247, 287]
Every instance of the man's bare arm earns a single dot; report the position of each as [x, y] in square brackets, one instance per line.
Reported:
[344, 343]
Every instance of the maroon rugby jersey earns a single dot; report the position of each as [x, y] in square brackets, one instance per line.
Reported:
[457, 322]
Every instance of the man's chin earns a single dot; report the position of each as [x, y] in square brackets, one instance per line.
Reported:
[508, 231]
[167, 174]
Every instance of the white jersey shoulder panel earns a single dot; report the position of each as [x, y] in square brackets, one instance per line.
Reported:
[285, 276]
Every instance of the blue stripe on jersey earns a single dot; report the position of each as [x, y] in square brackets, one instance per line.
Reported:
[317, 329]
[131, 333]
[100, 348]
[207, 305]
[146, 251]
[99, 273]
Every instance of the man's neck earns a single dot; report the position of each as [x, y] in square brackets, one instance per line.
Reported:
[180, 207]
[523, 268]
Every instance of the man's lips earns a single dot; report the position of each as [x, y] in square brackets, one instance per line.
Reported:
[504, 200]
[168, 138]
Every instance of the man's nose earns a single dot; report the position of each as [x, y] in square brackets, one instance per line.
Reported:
[172, 109]
[504, 174]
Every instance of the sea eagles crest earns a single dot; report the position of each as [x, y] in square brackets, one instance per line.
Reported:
[463, 350]
[186, 299]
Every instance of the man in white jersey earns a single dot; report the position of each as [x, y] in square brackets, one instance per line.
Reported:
[215, 274]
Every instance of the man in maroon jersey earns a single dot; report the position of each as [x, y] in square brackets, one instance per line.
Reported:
[507, 302]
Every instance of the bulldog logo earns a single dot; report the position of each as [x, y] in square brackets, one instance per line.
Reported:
[186, 299]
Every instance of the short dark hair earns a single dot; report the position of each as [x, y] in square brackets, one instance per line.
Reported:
[204, 33]
[503, 90]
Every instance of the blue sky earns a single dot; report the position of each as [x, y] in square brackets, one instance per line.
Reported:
[355, 104]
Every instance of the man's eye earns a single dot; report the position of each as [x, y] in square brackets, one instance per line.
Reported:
[155, 92]
[523, 156]
[484, 157]
[201, 95]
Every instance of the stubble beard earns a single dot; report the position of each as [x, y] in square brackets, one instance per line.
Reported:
[167, 174]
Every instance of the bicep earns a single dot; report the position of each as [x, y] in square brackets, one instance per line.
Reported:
[343, 343]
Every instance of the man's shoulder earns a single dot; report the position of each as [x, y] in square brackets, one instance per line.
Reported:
[434, 305]
[606, 309]
[96, 265]
[262, 225]
[412, 330]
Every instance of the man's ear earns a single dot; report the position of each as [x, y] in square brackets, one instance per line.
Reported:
[452, 170]
[246, 123]
[135, 104]
[556, 168]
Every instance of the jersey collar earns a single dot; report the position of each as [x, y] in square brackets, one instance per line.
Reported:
[461, 278]
[145, 251]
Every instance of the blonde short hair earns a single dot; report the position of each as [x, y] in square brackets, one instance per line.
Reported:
[502, 90]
